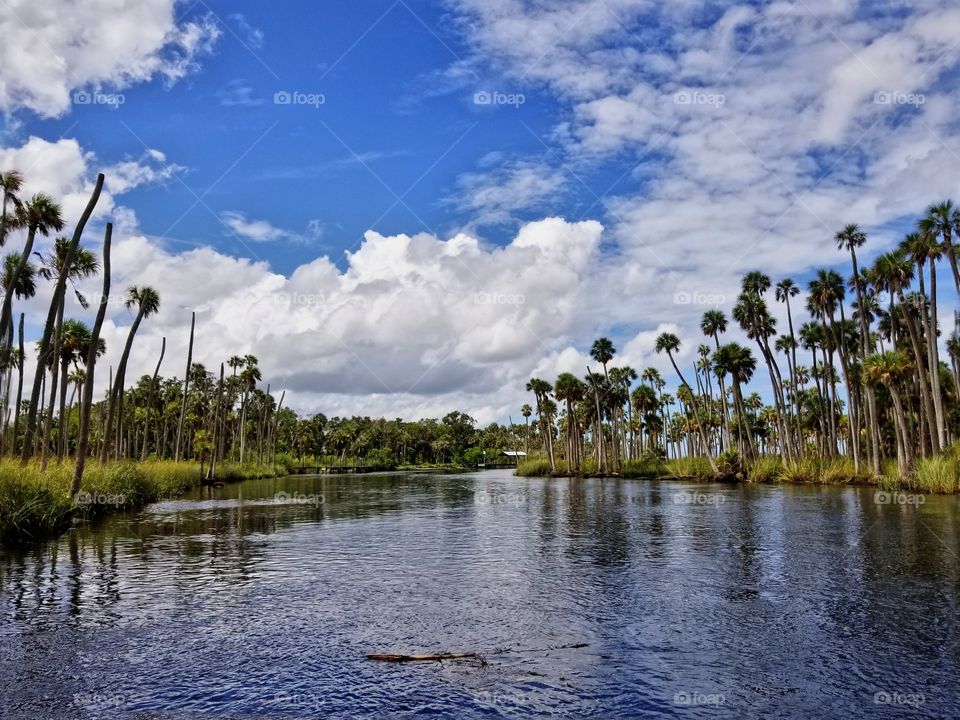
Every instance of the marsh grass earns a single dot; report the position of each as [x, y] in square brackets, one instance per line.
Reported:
[36, 504]
[689, 467]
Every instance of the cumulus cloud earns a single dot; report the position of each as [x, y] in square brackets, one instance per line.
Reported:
[52, 48]
[744, 136]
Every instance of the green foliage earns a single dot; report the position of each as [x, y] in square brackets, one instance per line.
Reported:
[765, 470]
[690, 467]
[729, 462]
[534, 468]
[937, 474]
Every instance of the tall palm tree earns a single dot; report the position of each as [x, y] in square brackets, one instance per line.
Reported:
[570, 390]
[147, 302]
[943, 220]
[526, 411]
[670, 343]
[713, 323]
[738, 362]
[825, 299]
[850, 238]
[41, 215]
[82, 264]
[891, 369]
[922, 247]
[894, 272]
[541, 390]
[10, 184]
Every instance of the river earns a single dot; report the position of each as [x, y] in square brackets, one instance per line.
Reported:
[262, 599]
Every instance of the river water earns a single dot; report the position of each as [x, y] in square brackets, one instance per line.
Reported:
[262, 599]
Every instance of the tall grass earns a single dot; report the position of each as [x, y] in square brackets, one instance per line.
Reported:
[765, 470]
[36, 504]
[684, 468]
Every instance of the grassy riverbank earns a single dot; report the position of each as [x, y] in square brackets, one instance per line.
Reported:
[937, 475]
[35, 504]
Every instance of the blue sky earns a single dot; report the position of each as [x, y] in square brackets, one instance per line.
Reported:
[486, 185]
[388, 119]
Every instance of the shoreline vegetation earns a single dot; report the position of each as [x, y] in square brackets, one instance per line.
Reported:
[855, 391]
[935, 476]
[873, 404]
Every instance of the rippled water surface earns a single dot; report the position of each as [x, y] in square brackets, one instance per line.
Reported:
[262, 599]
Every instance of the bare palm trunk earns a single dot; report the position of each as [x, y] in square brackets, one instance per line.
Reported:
[86, 401]
[186, 390]
[48, 329]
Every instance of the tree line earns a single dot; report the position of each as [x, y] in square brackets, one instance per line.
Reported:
[861, 376]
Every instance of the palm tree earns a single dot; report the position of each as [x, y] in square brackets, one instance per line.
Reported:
[570, 390]
[851, 238]
[541, 390]
[10, 184]
[83, 264]
[891, 368]
[526, 411]
[826, 295]
[147, 302]
[712, 324]
[41, 215]
[74, 348]
[922, 247]
[754, 317]
[738, 362]
[670, 343]
[603, 351]
[943, 220]
[894, 272]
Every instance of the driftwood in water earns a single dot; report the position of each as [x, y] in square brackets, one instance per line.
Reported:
[389, 657]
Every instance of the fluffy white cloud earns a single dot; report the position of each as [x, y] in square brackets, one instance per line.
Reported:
[51, 48]
[413, 325]
[747, 135]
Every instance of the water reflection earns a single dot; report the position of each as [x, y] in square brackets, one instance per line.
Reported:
[262, 599]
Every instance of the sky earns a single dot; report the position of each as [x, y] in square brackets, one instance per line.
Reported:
[405, 208]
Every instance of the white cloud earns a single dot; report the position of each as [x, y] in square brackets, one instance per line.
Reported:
[250, 229]
[51, 48]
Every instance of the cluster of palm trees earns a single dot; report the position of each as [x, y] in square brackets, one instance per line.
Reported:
[56, 415]
[873, 387]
